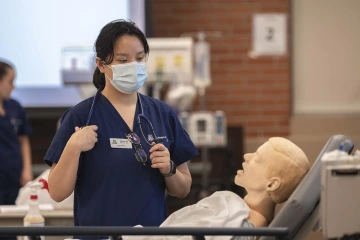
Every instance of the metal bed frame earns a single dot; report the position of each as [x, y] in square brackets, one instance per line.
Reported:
[115, 233]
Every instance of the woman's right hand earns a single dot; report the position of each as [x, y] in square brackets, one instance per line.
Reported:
[84, 138]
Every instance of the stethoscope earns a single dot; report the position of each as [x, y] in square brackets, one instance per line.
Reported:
[141, 115]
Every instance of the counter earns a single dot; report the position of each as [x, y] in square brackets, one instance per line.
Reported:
[61, 218]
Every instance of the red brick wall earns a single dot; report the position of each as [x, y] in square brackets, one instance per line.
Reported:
[253, 93]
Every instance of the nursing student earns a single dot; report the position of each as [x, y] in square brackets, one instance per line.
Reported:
[15, 152]
[120, 151]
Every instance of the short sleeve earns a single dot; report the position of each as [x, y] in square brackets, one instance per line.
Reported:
[25, 127]
[68, 122]
[182, 149]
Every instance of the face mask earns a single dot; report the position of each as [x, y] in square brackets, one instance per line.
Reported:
[128, 77]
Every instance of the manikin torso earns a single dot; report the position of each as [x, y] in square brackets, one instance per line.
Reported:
[221, 209]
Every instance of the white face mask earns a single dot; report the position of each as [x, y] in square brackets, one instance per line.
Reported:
[128, 77]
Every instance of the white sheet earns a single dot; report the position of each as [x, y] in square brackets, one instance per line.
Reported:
[43, 195]
[221, 209]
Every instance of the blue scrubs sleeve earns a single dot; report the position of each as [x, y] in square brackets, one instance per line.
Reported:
[182, 149]
[69, 121]
[25, 128]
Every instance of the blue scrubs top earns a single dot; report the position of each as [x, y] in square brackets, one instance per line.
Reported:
[12, 125]
[113, 188]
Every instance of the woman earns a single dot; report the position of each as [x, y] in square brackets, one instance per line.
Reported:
[15, 153]
[120, 150]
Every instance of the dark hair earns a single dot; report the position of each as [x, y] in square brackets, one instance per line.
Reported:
[4, 67]
[105, 43]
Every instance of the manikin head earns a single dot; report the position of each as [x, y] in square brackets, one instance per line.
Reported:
[274, 170]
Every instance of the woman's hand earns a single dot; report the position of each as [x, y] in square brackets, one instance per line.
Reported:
[160, 158]
[84, 138]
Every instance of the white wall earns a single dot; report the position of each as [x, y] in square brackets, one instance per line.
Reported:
[326, 48]
[33, 33]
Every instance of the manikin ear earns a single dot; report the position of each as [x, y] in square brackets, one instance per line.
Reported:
[100, 64]
[273, 184]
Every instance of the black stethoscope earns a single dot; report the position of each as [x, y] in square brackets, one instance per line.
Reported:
[141, 115]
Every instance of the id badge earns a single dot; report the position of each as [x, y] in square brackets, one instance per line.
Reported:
[120, 143]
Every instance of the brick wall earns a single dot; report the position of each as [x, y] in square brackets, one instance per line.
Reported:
[254, 93]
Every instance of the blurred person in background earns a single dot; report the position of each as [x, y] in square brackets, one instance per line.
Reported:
[15, 152]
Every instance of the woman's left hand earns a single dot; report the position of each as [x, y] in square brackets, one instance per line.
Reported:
[160, 158]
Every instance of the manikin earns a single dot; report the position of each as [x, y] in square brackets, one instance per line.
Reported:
[269, 176]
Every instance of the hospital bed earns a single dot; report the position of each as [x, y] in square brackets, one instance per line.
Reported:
[301, 212]
[297, 218]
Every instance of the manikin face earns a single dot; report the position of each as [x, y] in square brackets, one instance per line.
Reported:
[255, 166]
[7, 84]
